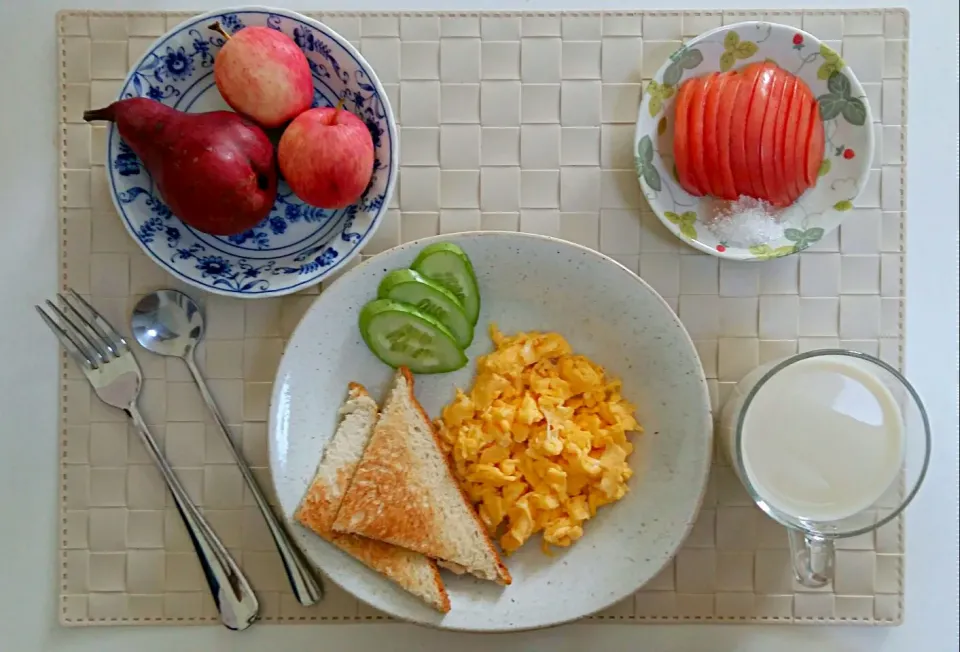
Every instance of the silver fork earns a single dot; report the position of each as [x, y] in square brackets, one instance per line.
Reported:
[114, 373]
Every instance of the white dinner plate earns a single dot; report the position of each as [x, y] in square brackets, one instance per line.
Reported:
[526, 283]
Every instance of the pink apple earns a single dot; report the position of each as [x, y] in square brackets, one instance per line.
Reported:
[326, 155]
[264, 75]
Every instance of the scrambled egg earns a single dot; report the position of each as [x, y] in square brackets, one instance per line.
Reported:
[540, 441]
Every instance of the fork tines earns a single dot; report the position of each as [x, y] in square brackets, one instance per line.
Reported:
[83, 332]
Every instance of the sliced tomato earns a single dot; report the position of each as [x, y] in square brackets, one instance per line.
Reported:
[754, 136]
[681, 136]
[772, 181]
[697, 103]
[726, 97]
[791, 173]
[781, 146]
[799, 147]
[711, 155]
[738, 129]
[815, 146]
[727, 103]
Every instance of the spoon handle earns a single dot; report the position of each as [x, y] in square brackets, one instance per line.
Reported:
[235, 599]
[306, 587]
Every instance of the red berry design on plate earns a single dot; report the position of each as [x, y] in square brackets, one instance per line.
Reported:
[721, 248]
[797, 39]
[848, 154]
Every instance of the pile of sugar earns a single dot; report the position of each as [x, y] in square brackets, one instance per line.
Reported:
[746, 222]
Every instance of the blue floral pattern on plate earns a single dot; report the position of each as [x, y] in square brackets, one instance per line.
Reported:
[297, 245]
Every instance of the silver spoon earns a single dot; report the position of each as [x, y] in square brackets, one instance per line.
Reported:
[169, 323]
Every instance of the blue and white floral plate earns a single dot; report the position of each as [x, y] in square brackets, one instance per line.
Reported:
[296, 245]
[847, 123]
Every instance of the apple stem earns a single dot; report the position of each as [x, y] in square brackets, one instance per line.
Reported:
[336, 111]
[219, 29]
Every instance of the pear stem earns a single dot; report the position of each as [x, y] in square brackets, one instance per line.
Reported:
[219, 29]
[106, 113]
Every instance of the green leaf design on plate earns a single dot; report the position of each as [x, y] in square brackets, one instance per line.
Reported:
[656, 103]
[645, 165]
[645, 151]
[658, 93]
[832, 65]
[652, 177]
[691, 59]
[854, 111]
[733, 49]
[766, 252]
[673, 73]
[662, 126]
[825, 166]
[746, 49]
[830, 106]
[839, 84]
[828, 53]
[825, 70]
[843, 205]
[803, 239]
[685, 222]
[838, 101]
[727, 59]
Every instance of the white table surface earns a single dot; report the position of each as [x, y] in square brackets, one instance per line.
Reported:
[28, 369]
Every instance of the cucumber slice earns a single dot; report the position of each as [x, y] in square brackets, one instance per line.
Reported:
[408, 286]
[402, 336]
[448, 265]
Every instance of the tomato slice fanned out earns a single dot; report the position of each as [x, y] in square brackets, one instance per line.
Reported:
[782, 145]
[724, 119]
[815, 145]
[697, 103]
[769, 164]
[711, 142]
[799, 147]
[754, 137]
[681, 136]
[738, 129]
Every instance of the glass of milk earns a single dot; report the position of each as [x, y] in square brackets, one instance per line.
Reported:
[830, 443]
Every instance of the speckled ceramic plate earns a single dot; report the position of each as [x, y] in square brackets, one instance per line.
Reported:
[847, 123]
[526, 283]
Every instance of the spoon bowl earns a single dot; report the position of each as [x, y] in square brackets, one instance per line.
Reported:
[167, 322]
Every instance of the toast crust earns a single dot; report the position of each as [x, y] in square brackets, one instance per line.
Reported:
[387, 502]
[502, 570]
[317, 512]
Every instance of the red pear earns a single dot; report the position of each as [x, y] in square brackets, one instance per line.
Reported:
[263, 74]
[326, 155]
[215, 171]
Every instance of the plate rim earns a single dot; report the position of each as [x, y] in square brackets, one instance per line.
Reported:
[392, 176]
[739, 254]
[704, 406]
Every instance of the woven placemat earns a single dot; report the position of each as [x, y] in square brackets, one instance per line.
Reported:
[554, 97]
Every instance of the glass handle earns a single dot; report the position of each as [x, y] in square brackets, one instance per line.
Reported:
[812, 558]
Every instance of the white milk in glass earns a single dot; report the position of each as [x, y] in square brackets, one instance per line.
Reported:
[822, 439]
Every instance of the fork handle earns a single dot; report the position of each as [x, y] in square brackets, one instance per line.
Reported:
[232, 593]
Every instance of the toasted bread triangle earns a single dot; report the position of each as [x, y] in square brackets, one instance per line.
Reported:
[411, 570]
[404, 493]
